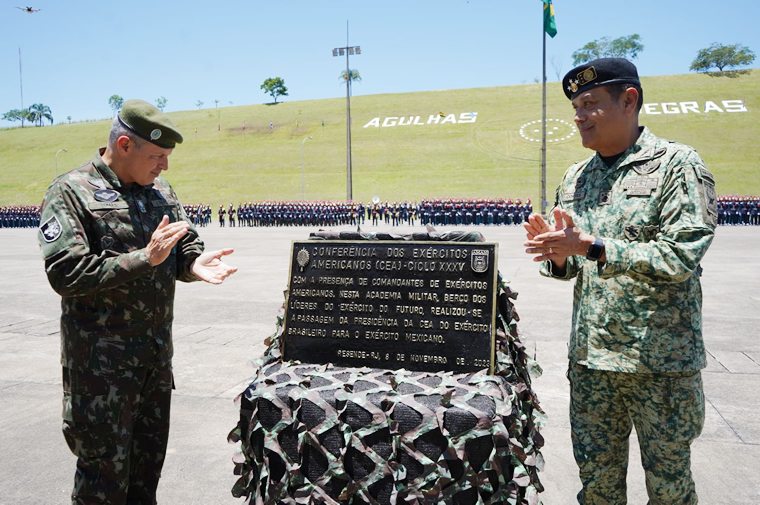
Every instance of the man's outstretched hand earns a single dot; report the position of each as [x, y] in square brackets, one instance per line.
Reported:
[209, 266]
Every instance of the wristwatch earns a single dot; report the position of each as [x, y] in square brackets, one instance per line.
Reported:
[595, 250]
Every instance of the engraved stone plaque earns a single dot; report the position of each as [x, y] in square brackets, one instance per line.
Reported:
[427, 306]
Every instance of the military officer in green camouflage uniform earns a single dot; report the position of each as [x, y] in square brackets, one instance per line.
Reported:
[115, 239]
[631, 225]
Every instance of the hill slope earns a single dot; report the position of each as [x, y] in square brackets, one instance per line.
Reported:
[232, 154]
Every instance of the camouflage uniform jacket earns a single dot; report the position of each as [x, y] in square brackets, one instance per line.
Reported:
[655, 209]
[117, 309]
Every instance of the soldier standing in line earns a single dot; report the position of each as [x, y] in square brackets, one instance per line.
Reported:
[221, 212]
[115, 240]
[631, 224]
[231, 215]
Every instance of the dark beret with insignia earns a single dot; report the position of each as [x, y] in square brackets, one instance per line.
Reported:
[599, 72]
[148, 122]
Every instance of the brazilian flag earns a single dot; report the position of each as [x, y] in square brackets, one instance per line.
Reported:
[550, 25]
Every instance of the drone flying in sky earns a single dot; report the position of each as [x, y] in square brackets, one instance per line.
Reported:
[30, 10]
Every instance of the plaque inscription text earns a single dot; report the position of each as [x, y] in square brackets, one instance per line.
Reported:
[392, 304]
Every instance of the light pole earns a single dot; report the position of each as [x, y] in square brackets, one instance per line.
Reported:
[218, 116]
[341, 51]
[59, 151]
[303, 197]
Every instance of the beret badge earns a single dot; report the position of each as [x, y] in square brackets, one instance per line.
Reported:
[586, 76]
[155, 134]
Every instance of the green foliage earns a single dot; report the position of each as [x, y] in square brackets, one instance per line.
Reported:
[161, 103]
[16, 115]
[622, 47]
[275, 86]
[230, 154]
[38, 113]
[115, 102]
[722, 56]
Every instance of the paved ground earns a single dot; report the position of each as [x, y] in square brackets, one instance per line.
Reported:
[219, 329]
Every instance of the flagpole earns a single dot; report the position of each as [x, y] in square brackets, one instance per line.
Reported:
[543, 121]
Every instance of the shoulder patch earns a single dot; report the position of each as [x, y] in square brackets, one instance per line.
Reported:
[51, 229]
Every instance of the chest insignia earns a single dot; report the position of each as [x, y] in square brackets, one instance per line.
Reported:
[604, 198]
[106, 195]
[107, 241]
[632, 232]
[647, 168]
[640, 185]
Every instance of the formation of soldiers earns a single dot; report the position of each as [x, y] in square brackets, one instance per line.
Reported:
[739, 210]
[199, 214]
[475, 211]
[331, 213]
[20, 216]
[732, 210]
[290, 213]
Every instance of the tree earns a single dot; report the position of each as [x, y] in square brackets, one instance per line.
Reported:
[161, 103]
[722, 56]
[38, 113]
[275, 86]
[115, 102]
[199, 103]
[621, 47]
[17, 115]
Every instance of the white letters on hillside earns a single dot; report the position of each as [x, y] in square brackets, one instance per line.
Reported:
[662, 108]
[432, 119]
[694, 107]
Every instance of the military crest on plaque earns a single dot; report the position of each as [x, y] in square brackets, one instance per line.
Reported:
[302, 258]
[479, 261]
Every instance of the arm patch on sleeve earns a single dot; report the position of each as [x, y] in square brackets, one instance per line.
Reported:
[710, 201]
[51, 229]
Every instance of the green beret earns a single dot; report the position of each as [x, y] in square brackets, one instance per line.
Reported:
[148, 122]
[599, 72]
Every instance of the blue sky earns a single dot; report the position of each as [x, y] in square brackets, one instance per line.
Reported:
[76, 54]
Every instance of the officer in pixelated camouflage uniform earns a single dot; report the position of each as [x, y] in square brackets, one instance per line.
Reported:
[631, 224]
[115, 239]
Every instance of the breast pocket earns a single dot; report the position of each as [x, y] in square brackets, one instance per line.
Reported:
[115, 227]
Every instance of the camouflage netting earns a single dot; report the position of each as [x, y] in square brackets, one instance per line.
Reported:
[326, 434]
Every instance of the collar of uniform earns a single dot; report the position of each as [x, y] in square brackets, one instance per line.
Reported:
[642, 149]
[105, 171]
[110, 177]
[649, 148]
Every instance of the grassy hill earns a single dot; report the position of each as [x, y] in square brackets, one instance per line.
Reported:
[231, 154]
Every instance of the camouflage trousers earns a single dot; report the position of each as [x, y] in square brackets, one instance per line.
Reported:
[117, 425]
[668, 411]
